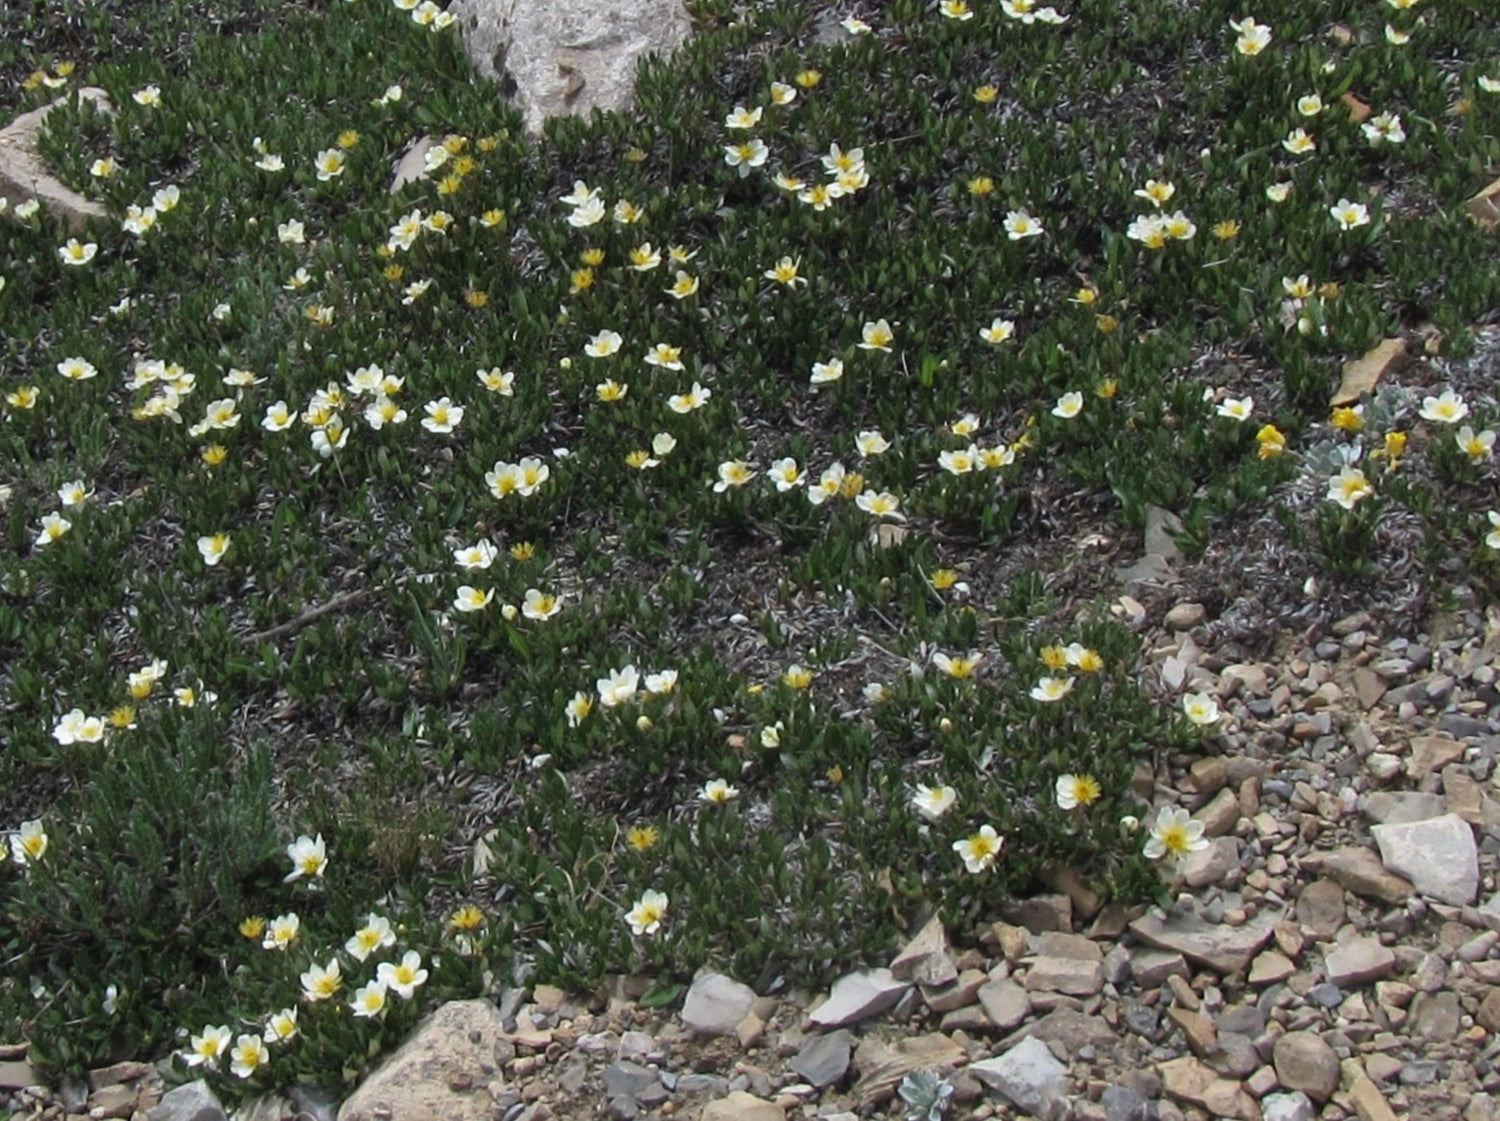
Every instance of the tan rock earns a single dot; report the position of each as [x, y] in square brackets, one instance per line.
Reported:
[1484, 207]
[1432, 753]
[1359, 112]
[1363, 374]
[740, 1106]
[1359, 870]
[451, 1048]
[1197, 1028]
[1369, 1102]
[1188, 1080]
[23, 175]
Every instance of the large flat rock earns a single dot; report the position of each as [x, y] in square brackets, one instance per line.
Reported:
[1438, 856]
[439, 1074]
[1224, 949]
[557, 59]
[23, 175]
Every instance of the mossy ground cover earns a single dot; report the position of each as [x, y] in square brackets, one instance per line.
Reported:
[677, 538]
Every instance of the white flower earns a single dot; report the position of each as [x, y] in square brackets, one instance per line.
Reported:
[1019, 224]
[1050, 689]
[743, 118]
[480, 555]
[1073, 791]
[1492, 538]
[28, 844]
[1068, 405]
[620, 686]
[248, 1055]
[661, 683]
[309, 857]
[403, 977]
[603, 344]
[1200, 708]
[205, 1049]
[979, 850]
[718, 791]
[376, 934]
[932, 802]
[1349, 215]
[443, 416]
[647, 914]
[291, 232]
[1236, 408]
[75, 252]
[1384, 127]
[998, 331]
[369, 1000]
[1449, 408]
[824, 373]
[1348, 487]
[1175, 834]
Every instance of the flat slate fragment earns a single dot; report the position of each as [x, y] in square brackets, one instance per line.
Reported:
[1224, 949]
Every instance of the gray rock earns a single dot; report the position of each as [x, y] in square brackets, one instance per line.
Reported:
[627, 1079]
[1438, 856]
[569, 58]
[824, 1059]
[1358, 962]
[1005, 1002]
[23, 175]
[1225, 949]
[1288, 1107]
[1028, 1076]
[1320, 908]
[1305, 1062]
[858, 996]
[1151, 968]
[926, 959]
[1212, 864]
[636, 1045]
[716, 1004]
[192, 1101]
[418, 1079]
[1161, 525]
[1435, 1017]
[315, 1102]
[1121, 1103]
[1400, 807]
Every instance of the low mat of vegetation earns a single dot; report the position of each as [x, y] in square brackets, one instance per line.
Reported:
[688, 536]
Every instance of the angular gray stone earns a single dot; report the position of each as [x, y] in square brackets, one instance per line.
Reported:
[417, 1080]
[567, 58]
[23, 175]
[1438, 856]
[1210, 865]
[926, 959]
[716, 1004]
[1398, 807]
[626, 1079]
[1028, 1076]
[192, 1101]
[824, 1059]
[1288, 1107]
[1005, 1002]
[1225, 949]
[1320, 908]
[858, 996]
[1358, 962]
